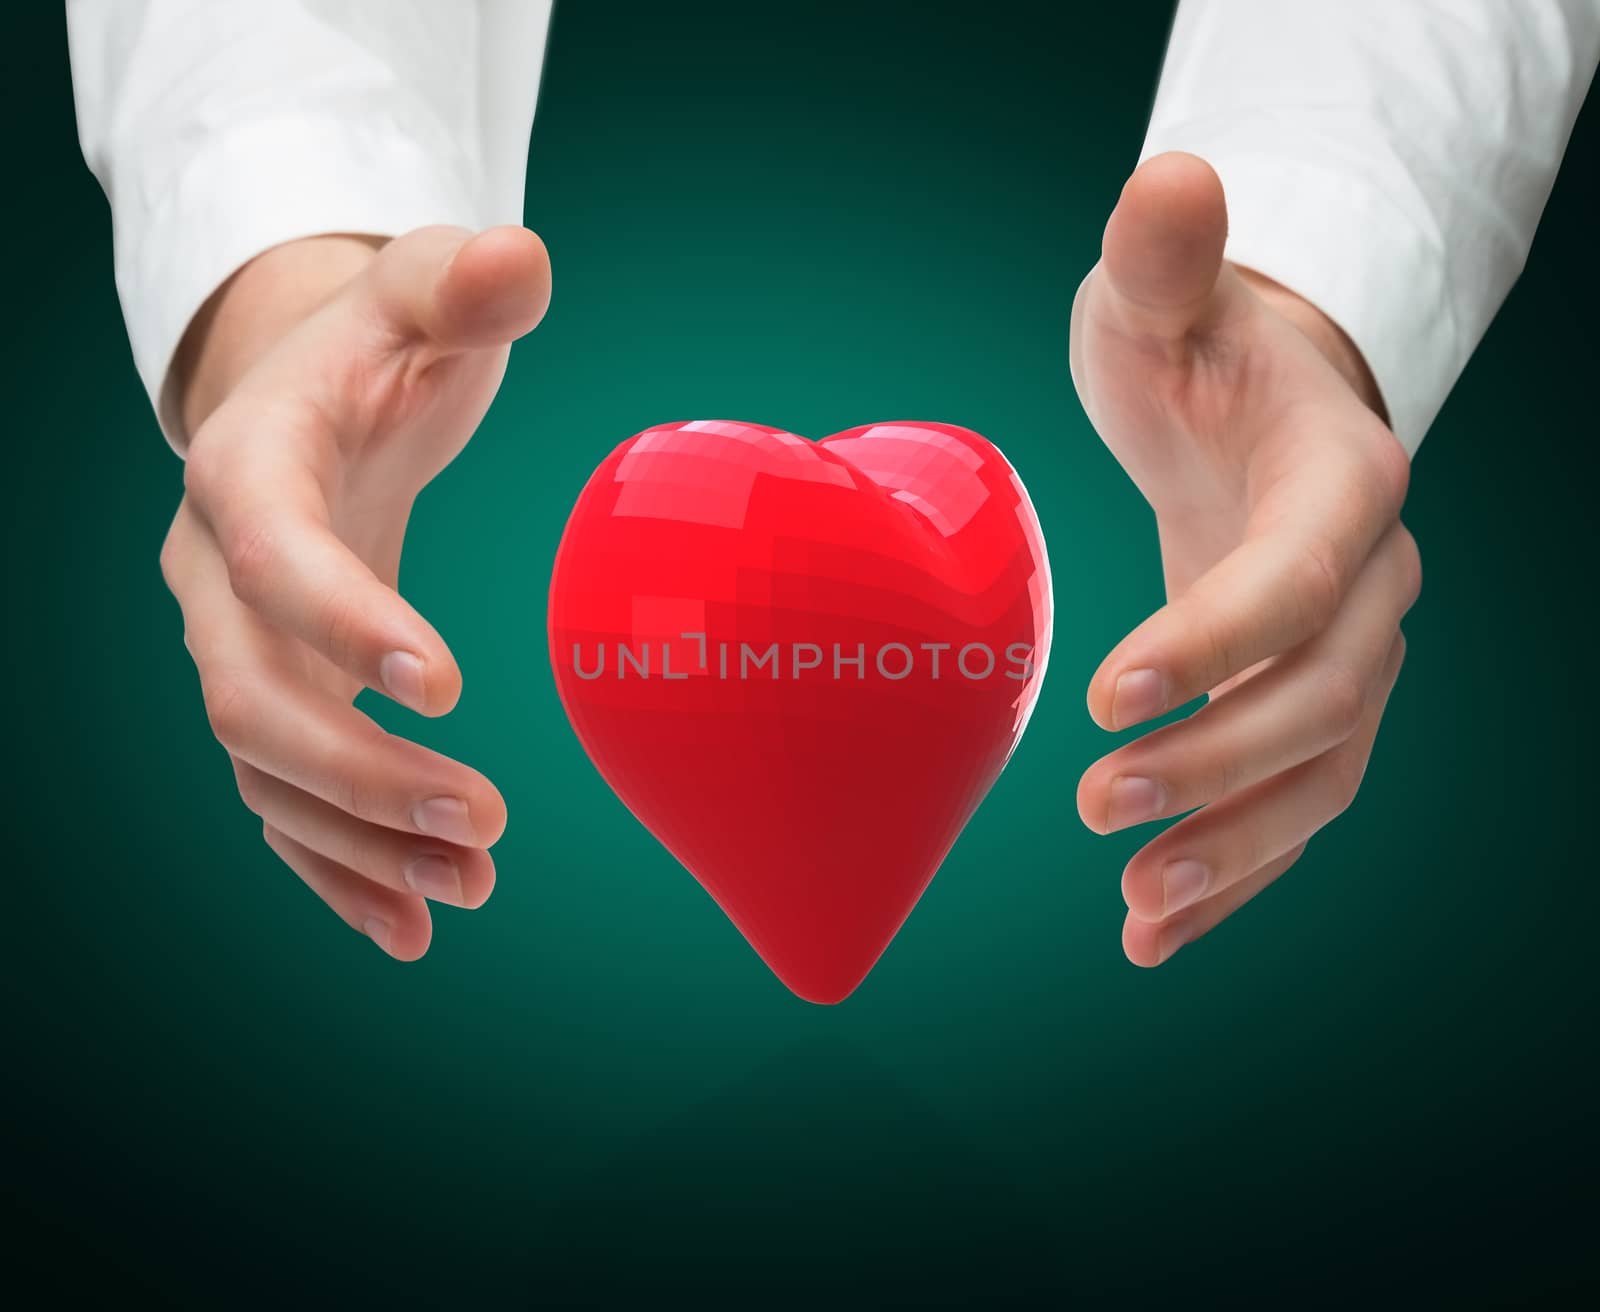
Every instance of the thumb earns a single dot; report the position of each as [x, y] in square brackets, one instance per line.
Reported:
[457, 291]
[1162, 251]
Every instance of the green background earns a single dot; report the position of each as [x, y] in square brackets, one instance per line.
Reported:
[1376, 1078]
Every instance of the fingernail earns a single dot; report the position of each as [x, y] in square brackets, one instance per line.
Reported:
[1140, 695]
[401, 675]
[435, 878]
[1182, 883]
[377, 930]
[446, 818]
[1133, 800]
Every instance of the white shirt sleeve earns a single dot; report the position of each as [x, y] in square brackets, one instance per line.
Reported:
[1386, 159]
[220, 128]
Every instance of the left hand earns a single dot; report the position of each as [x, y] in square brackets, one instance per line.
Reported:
[1252, 427]
[326, 383]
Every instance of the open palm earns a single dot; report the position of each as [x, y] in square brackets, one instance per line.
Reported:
[1249, 424]
[285, 554]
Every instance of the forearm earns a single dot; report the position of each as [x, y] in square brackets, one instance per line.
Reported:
[254, 309]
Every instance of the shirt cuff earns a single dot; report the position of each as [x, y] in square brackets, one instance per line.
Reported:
[1339, 242]
[257, 186]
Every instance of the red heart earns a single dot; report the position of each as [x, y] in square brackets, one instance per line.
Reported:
[714, 590]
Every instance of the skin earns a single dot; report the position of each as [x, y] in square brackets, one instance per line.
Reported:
[1250, 424]
[324, 386]
[330, 379]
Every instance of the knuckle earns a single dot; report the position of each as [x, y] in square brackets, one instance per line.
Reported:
[249, 782]
[356, 779]
[1410, 568]
[339, 624]
[251, 553]
[1217, 648]
[1231, 775]
[169, 564]
[1318, 584]
[1221, 778]
[1346, 771]
[355, 796]
[349, 796]
[211, 469]
[1249, 853]
[350, 850]
[229, 709]
[1391, 468]
[200, 468]
[1341, 700]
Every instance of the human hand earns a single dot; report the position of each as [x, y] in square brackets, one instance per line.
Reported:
[325, 385]
[1251, 425]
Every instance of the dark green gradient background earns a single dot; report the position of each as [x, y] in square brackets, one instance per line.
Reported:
[1376, 1079]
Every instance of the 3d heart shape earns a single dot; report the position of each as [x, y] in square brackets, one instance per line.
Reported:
[802, 665]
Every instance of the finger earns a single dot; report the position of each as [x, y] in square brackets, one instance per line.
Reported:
[269, 518]
[455, 291]
[264, 711]
[1306, 542]
[1149, 944]
[1162, 251]
[440, 872]
[258, 481]
[329, 749]
[398, 924]
[1296, 709]
[1218, 847]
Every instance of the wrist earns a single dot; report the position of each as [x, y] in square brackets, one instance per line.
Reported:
[254, 309]
[1330, 339]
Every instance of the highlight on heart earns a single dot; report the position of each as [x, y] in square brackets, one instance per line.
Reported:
[803, 665]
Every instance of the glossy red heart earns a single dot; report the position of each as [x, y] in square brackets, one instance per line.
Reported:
[802, 664]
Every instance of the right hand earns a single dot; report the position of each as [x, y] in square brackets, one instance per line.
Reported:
[1253, 427]
[325, 385]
